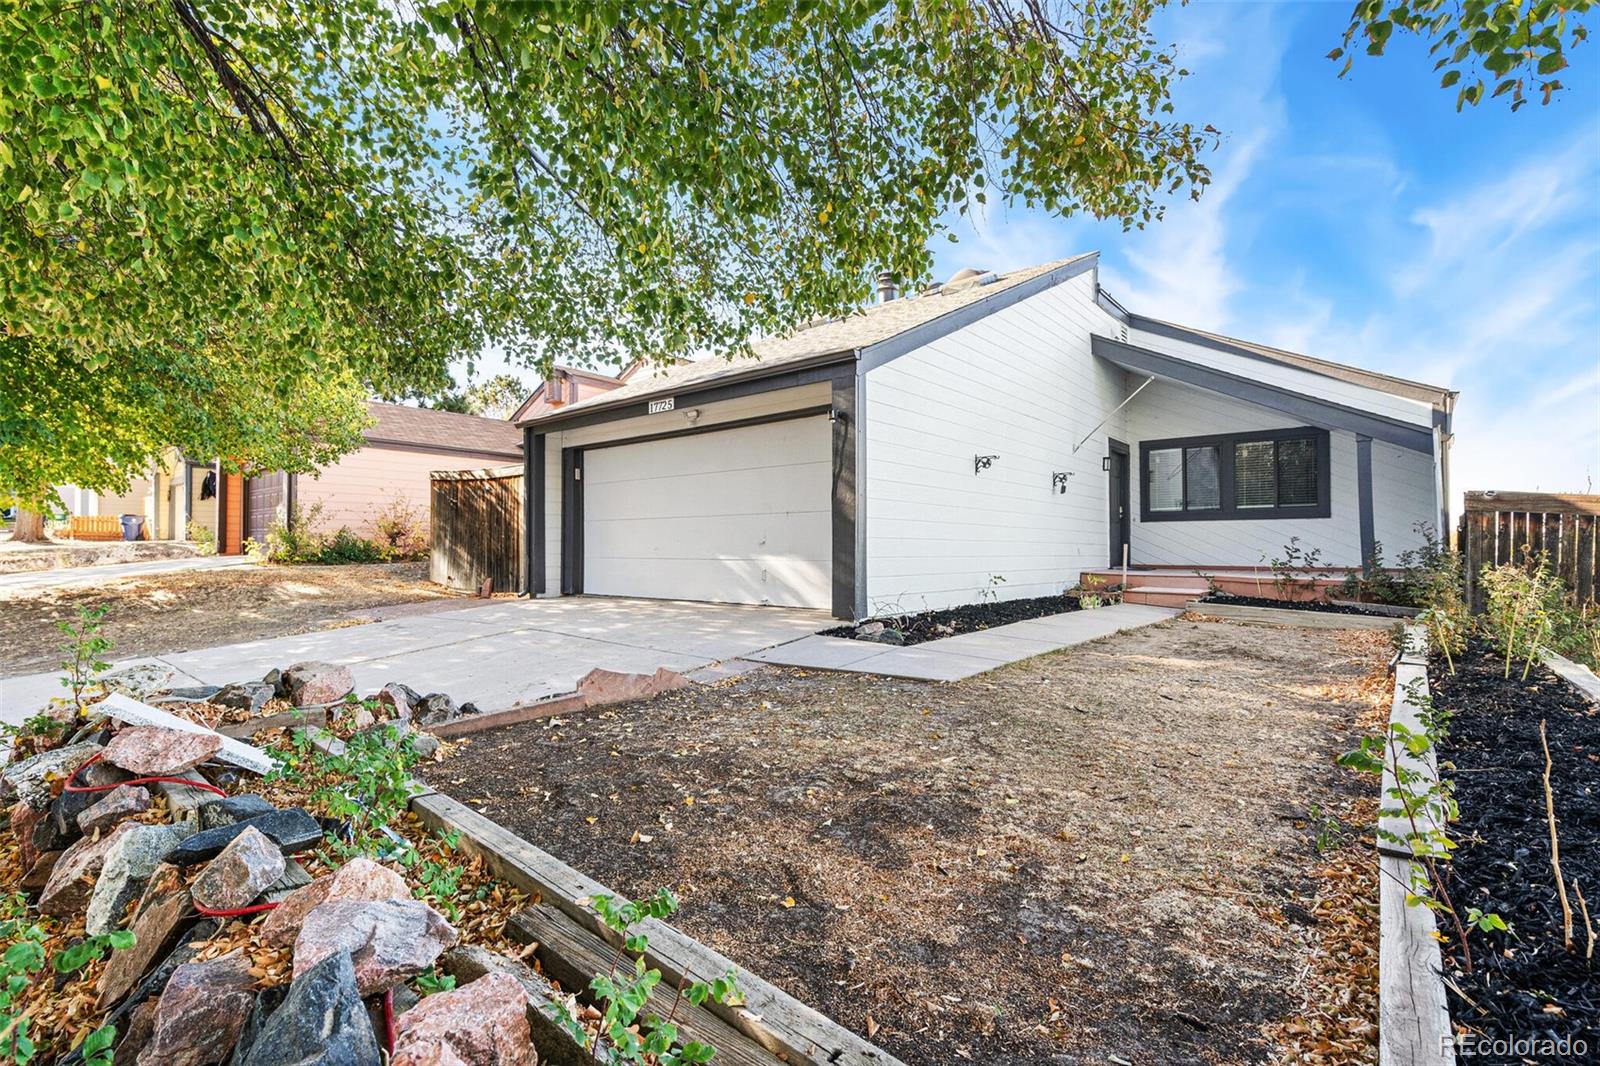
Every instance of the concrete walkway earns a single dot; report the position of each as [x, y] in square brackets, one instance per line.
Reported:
[77, 576]
[954, 658]
[497, 655]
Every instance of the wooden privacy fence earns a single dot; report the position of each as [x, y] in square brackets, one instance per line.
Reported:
[1497, 526]
[475, 528]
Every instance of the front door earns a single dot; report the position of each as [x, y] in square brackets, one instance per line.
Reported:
[1118, 499]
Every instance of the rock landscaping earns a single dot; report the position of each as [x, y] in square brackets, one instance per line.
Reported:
[235, 875]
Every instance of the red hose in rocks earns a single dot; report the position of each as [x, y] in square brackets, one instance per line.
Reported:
[70, 787]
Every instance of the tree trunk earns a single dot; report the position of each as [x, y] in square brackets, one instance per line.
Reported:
[28, 528]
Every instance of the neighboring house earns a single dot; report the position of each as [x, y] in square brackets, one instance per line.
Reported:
[568, 385]
[400, 449]
[999, 434]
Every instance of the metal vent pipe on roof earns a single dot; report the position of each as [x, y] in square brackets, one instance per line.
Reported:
[887, 287]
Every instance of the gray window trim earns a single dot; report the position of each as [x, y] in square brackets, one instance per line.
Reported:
[1228, 512]
[1296, 405]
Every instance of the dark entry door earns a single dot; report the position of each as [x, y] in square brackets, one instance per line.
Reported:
[266, 500]
[1118, 499]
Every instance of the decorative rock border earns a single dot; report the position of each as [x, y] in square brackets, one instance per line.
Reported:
[1413, 1015]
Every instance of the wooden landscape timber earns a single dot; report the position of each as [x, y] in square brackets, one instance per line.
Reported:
[771, 1018]
[1290, 616]
[1413, 1014]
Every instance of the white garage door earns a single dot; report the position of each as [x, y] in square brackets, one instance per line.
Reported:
[736, 516]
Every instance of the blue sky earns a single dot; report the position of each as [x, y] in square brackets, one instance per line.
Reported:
[1363, 220]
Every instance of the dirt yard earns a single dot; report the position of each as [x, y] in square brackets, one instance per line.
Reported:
[16, 558]
[1102, 855]
[204, 608]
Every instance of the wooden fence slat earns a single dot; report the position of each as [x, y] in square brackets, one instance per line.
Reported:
[1587, 527]
[476, 525]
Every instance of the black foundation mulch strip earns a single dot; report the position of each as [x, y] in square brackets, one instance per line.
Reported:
[929, 625]
[1525, 984]
[1292, 605]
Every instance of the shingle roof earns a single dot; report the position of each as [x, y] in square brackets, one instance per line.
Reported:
[422, 427]
[1437, 395]
[862, 329]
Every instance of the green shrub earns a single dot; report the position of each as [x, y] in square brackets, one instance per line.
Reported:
[345, 547]
[399, 531]
[204, 538]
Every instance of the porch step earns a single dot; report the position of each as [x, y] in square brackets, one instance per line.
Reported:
[1161, 596]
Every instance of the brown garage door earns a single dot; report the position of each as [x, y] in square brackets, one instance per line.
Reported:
[266, 500]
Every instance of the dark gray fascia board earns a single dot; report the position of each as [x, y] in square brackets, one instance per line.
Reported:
[1108, 303]
[919, 336]
[766, 379]
[1178, 333]
[1308, 409]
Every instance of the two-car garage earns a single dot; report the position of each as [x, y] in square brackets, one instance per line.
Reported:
[735, 515]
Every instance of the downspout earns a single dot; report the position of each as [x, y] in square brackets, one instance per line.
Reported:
[529, 580]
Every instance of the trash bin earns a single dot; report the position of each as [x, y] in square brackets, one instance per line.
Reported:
[132, 526]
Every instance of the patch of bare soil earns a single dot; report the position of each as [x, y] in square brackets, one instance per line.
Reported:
[204, 608]
[1098, 855]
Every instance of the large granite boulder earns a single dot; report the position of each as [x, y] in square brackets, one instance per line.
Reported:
[315, 684]
[388, 940]
[292, 830]
[359, 879]
[321, 1023]
[246, 867]
[202, 1010]
[153, 749]
[481, 1024]
[129, 862]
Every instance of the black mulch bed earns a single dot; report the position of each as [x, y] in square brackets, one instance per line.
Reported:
[1525, 985]
[1293, 605]
[936, 625]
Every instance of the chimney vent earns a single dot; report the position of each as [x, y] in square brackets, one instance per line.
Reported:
[887, 289]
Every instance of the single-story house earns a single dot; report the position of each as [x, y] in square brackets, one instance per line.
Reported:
[399, 450]
[998, 435]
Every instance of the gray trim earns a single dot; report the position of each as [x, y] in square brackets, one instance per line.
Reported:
[1307, 409]
[1369, 540]
[1226, 510]
[862, 503]
[1393, 386]
[784, 376]
[1108, 303]
[1115, 447]
[919, 336]
[412, 446]
[571, 521]
[533, 511]
[844, 435]
[716, 427]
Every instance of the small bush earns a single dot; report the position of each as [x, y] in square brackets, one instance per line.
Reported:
[297, 540]
[400, 532]
[204, 538]
[345, 547]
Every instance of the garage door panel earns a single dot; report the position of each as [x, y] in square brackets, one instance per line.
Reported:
[770, 490]
[740, 537]
[777, 581]
[739, 516]
[748, 448]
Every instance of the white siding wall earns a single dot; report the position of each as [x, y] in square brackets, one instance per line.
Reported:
[363, 484]
[1402, 489]
[647, 425]
[1021, 384]
[1289, 377]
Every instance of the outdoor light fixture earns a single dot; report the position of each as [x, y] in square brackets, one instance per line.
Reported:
[982, 462]
[1058, 480]
[1105, 463]
[692, 414]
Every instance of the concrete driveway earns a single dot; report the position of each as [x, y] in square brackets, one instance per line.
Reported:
[495, 655]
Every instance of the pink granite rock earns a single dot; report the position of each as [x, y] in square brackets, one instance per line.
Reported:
[359, 879]
[163, 906]
[608, 686]
[72, 880]
[312, 684]
[120, 804]
[484, 1023]
[24, 818]
[246, 868]
[388, 940]
[38, 875]
[151, 749]
[202, 1010]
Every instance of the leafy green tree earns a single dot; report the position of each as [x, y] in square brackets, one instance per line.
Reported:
[1519, 44]
[498, 397]
[213, 211]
